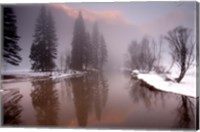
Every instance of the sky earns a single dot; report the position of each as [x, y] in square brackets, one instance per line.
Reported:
[119, 22]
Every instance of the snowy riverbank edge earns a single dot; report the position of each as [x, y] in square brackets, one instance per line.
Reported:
[186, 87]
[24, 76]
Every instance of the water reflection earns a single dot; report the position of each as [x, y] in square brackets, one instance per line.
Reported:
[45, 102]
[66, 89]
[81, 102]
[185, 113]
[100, 94]
[90, 93]
[12, 108]
[141, 93]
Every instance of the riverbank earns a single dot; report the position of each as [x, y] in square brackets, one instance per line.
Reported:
[9, 77]
[166, 82]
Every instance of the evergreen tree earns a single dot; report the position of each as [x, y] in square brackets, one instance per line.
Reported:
[51, 43]
[78, 52]
[38, 46]
[10, 37]
[99, 49]
[95, 46]
[88, 51]
[44, 47]
[103, 54]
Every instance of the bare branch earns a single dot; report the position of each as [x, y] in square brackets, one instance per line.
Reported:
[181, 49]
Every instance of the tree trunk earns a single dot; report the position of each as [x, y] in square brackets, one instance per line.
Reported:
[182, 74]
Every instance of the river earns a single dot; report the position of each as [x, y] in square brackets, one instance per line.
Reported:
[109, 100]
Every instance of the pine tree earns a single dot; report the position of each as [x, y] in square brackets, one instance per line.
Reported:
[78, 44]
[51, 43]
[10, 37]
[38, 46]
[95, 45]
[44, 47]
[99, 49]
[87, 51]
[103, 54]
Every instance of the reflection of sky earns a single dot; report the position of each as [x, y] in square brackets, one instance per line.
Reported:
[122, 23]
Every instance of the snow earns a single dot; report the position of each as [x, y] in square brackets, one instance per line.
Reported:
[187, 86]
[27, 75]
[57, 75]
[136, 71]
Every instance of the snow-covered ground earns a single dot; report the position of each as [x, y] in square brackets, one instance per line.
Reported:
[187, 86]
[23, 73]
[27, 75]
[57, 75]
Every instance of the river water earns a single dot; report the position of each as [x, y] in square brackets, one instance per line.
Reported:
[111, 100]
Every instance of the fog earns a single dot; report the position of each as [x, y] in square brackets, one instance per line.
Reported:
[120, 24]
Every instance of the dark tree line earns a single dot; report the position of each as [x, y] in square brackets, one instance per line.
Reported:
[11, 48]
[88, 51]
[44, 46]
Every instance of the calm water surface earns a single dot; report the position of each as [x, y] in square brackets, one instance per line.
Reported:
[98, 101]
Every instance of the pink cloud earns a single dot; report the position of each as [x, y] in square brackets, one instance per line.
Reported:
[112, 16]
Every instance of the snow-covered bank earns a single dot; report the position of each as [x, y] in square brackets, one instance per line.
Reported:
[187, 86]
[57, 75]
[28, 75]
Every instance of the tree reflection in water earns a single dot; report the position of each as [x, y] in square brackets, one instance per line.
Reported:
[12, 108]
[45, 102]
[185, 113]
[90, 92]
[68, 88]
[147, 95]
[142, 93]
[100, 93]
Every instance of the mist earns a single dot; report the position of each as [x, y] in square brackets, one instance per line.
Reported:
[120, 24]
[121, 65]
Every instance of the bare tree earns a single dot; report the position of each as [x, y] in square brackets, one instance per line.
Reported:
[159, 49]
[141, 55]
[182, 51]
[134, 50]
[147, 55]
[158, 67]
